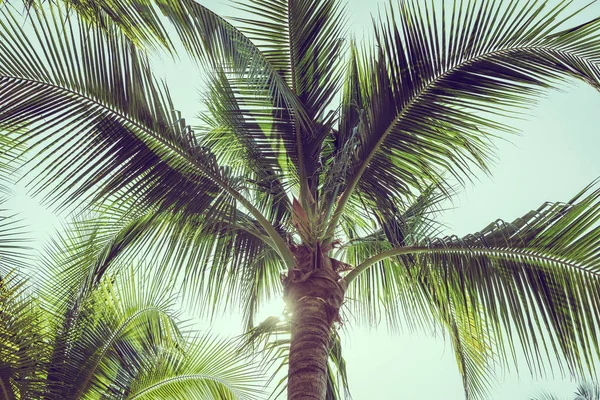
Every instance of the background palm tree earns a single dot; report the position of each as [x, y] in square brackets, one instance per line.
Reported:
[117, 338]
[76, 334]
[584, 391]
[340, 197]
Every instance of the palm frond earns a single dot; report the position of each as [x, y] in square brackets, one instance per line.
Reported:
[14, 242]
[222, 254]
[303, 40]
[205, 368]
[242, 135]
[535, 282]
[21, 334]
[112, 335]
[431, 90]
[21, 322]
[473, 345]
[58, 86]
[124, 140]
[205, 36]
[9, 163]
[386, 292]
[588, 391]
[584, 391]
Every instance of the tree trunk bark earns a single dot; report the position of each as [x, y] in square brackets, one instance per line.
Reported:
[314, 293]
[309, 350]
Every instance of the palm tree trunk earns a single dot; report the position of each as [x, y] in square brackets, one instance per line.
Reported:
[314, 294]
[309, 350]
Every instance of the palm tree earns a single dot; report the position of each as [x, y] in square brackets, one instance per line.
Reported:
[319, 164]
[69, 338]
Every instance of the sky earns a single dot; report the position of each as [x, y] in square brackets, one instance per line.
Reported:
[556, 156]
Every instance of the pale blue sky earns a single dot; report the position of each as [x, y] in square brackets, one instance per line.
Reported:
[554, 159]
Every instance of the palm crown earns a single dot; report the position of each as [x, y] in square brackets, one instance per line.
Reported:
[319, 160]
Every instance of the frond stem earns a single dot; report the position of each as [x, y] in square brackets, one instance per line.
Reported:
[179, 378]
[7, 394]
[506, 253]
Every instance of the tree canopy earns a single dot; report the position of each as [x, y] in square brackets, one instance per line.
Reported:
[319, 164]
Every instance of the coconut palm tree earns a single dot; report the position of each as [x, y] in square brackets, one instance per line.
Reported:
[319, 163]
[115, 339]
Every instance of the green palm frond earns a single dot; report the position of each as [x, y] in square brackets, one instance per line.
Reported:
[21, 334]
[225, 257]
[532, 283]
[473, 344]
[9, 163]
[14, 249]
[106, 329]
[130, 143]
[119, 329]
[22, 325]
[203, 34]
[384, 291]
[205, 368]
[431, 91]
[208, 37]
[303, 41]
[119, 338]
[584, 391]
[242, 133]
[53, 82]
[121, 343]
[588, 391]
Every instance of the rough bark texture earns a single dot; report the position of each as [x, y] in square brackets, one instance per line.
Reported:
[309, 349]
[314, 294]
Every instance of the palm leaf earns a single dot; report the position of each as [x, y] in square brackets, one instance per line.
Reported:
[130, 140]
[384, 291]
[531, 283]
[432, 90]
[588, 391]
[206, 368]
[241, 132]
[221, 253]
[473, 344]
[113, 333]
[21, 333]
[67, 81]
[205, 36]
[302, 40]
